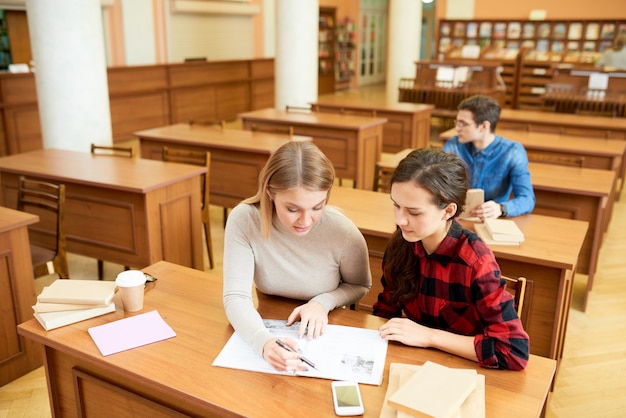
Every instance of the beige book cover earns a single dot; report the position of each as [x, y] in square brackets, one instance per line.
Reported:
[435, 391]
[504, 230]
[57, 307]
[473, 198]
[88, 292]
[52, 320]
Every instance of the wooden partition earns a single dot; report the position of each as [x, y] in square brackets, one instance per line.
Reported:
[144, 97]
[482, 78]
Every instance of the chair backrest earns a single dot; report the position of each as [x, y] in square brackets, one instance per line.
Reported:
[47, 200]
[203, 158]
[517, 287]
[207, 122]
[567, 160]
[287, 130]
[114, 150]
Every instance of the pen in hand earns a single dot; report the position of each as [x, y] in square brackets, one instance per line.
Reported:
[302, 358]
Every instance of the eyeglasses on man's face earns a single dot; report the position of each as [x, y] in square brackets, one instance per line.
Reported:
[460, 124]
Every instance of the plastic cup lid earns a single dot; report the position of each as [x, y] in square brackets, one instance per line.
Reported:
[130, 278]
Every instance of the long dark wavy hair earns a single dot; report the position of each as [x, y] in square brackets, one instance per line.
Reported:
[444, 176]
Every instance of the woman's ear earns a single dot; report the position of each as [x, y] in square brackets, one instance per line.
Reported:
[450, 211]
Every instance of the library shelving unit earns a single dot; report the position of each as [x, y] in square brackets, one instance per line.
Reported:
[326, 51]
[5, 50]
[345, 53]
[530, 49]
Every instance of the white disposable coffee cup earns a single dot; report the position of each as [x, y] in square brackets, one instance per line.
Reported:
[131, 284]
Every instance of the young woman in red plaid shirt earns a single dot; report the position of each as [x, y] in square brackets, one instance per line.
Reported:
[441, 283]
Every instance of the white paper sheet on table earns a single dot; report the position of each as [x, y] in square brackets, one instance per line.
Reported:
[131, 332]
[342, 353]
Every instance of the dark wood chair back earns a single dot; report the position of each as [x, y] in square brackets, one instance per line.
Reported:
[47, 237]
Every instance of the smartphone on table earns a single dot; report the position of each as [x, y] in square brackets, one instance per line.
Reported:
[347, 398]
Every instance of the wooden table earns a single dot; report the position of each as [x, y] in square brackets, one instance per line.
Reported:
[175, 376]
[132, 212]
[232, 151]
[563, 123]
[585, 194]
[352, 143]
[18, 355]
[408, 124]
[547, 258]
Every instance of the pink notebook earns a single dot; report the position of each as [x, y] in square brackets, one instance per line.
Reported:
[131, 332]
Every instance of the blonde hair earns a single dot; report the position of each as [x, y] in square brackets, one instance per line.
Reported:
[294, 164]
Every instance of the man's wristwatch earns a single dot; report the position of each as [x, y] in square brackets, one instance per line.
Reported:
[503, 210]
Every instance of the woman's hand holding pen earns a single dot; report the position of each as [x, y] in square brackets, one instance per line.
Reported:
[282, 359]
[313, 319]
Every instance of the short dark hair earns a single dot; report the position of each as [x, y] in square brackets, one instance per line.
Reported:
[484, 108]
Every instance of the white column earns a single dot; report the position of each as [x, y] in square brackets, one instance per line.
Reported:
[403, 43]
[67, 42]
[296, 52]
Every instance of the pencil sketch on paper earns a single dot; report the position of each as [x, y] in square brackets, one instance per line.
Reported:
[341, 353]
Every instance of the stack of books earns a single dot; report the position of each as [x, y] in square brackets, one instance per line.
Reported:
[433, 390]
[65, 302]
[500, 232]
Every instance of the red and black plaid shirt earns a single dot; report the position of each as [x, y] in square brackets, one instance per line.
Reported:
[461, 291]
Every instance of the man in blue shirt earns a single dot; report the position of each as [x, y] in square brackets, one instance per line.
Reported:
[495, 164]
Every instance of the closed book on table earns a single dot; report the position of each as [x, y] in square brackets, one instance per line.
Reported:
[485, 235]
[52, 320]
[56, 307]
[435, 391]
[504, 230]
[86, 292]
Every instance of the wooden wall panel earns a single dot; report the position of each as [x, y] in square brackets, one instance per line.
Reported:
[128, 80]
[197, 103]
[132, 113]
[198, 73]
[144, 97]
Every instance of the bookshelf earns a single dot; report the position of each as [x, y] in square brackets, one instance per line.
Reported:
[554, 36]
[326, 51]
[345, 36]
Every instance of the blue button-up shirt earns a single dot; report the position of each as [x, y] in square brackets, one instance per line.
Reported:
[501, 170]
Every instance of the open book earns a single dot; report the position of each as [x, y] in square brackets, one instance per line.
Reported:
[341, 353]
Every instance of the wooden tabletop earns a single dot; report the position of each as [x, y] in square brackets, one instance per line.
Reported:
[12, 219]
[216, 137]
[331, 120]
[126, 174]
[556, 142]
[564, 179]
[562, 119]
[550, 241]
[178, 371]
[380, 103]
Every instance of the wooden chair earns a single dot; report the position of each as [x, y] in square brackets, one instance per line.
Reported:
[47, 200]
[204, 159]
[301, 109]
[287, 130]
[382, 176]
[220, 123]
[567, 160]
[517, 287]
[115, 151]
[118, 151]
